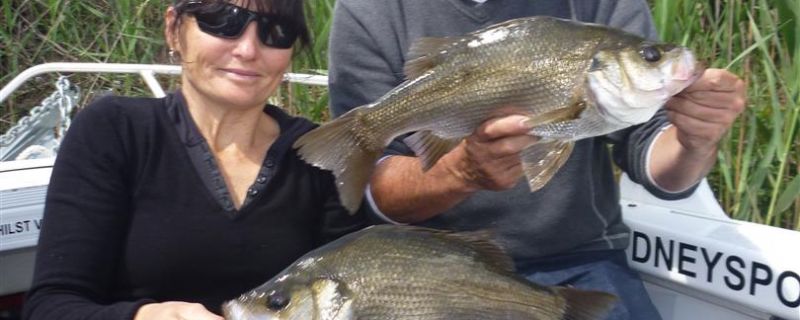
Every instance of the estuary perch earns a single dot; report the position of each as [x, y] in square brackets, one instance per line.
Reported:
[406, 272]
[572, 80]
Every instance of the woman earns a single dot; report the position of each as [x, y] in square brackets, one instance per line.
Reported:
[164, 208]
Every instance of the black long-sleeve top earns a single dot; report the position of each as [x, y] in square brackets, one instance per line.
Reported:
[135, 214]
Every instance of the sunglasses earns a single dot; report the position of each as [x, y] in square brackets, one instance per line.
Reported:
[229, 21]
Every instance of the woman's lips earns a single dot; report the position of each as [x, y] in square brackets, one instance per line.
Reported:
[241, 72]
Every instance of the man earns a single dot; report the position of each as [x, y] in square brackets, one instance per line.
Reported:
[571, 231]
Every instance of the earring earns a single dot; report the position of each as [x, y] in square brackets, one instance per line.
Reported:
[172, 59]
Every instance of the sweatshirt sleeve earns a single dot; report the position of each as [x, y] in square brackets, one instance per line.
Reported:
[631, 152]
[84, 225]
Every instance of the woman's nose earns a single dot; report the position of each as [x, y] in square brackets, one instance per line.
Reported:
[248, 43]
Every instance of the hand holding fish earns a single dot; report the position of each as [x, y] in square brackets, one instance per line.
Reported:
[175, 310]
[705, 110]
[701, 115]
[489, 159]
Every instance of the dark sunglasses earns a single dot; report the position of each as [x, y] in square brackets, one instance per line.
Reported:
[228, 21]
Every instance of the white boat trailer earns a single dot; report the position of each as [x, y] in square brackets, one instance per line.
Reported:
[696, 262]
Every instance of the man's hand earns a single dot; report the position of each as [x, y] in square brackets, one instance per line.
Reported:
[700, 115]
[705, 110]
[489, 159]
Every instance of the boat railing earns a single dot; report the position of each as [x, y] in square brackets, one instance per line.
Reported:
[147, 72]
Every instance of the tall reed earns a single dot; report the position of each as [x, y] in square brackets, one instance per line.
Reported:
[756, 178]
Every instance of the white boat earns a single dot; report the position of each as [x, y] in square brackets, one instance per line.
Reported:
[696, 262]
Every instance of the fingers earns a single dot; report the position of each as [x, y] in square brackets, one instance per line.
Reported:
[490, 158]
[717, 80]
[718, 97]
[715, 99]
[696, 133]
[714, 113]
[502, 127]
[707, 109]
[503, 147]
[493, 174]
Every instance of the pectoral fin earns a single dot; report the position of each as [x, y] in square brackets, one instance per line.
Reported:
[541, 161]
[562, 123]
[555, 116]
[430, 147]
[333, 300]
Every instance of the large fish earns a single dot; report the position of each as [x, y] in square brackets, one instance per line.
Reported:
[573, 80]
[406, 272]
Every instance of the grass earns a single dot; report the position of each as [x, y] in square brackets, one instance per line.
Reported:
[38, 31]
[756, 178]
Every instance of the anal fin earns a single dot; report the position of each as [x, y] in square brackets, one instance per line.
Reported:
[541, 161]
[430, 147]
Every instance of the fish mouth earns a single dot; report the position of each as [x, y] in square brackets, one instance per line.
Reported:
[685, 72]
[699, 69]
[687, 68]
[232, 311]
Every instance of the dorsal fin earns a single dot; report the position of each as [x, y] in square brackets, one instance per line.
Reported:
[491, 253]
[424, 55]
[585, 305]
[487, 249]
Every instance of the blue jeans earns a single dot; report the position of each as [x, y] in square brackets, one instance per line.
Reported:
[603, 271]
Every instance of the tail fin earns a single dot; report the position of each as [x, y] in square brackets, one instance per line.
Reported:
[341, 147]
[586, 305]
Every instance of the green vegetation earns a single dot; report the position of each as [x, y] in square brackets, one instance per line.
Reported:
[757, 175]
[756, 178]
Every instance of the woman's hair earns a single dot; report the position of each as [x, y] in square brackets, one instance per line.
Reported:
[291, 10]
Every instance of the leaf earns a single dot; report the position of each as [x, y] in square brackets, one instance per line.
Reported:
[789, 195]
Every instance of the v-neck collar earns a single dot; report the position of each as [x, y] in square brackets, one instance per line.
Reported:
[480, 12]
[205, 164]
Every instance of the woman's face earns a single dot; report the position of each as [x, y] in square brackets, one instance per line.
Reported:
[238, 73]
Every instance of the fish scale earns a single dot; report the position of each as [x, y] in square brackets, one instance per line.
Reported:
[405, 272]
[471, 96]
[459, 274]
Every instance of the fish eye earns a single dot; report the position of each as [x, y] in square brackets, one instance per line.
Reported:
[650, 54]
[277, 301]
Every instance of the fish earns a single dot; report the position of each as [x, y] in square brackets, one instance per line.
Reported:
[572, 80]
[410, 272]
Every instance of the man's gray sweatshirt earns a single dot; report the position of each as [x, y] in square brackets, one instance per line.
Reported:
[578, 210]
